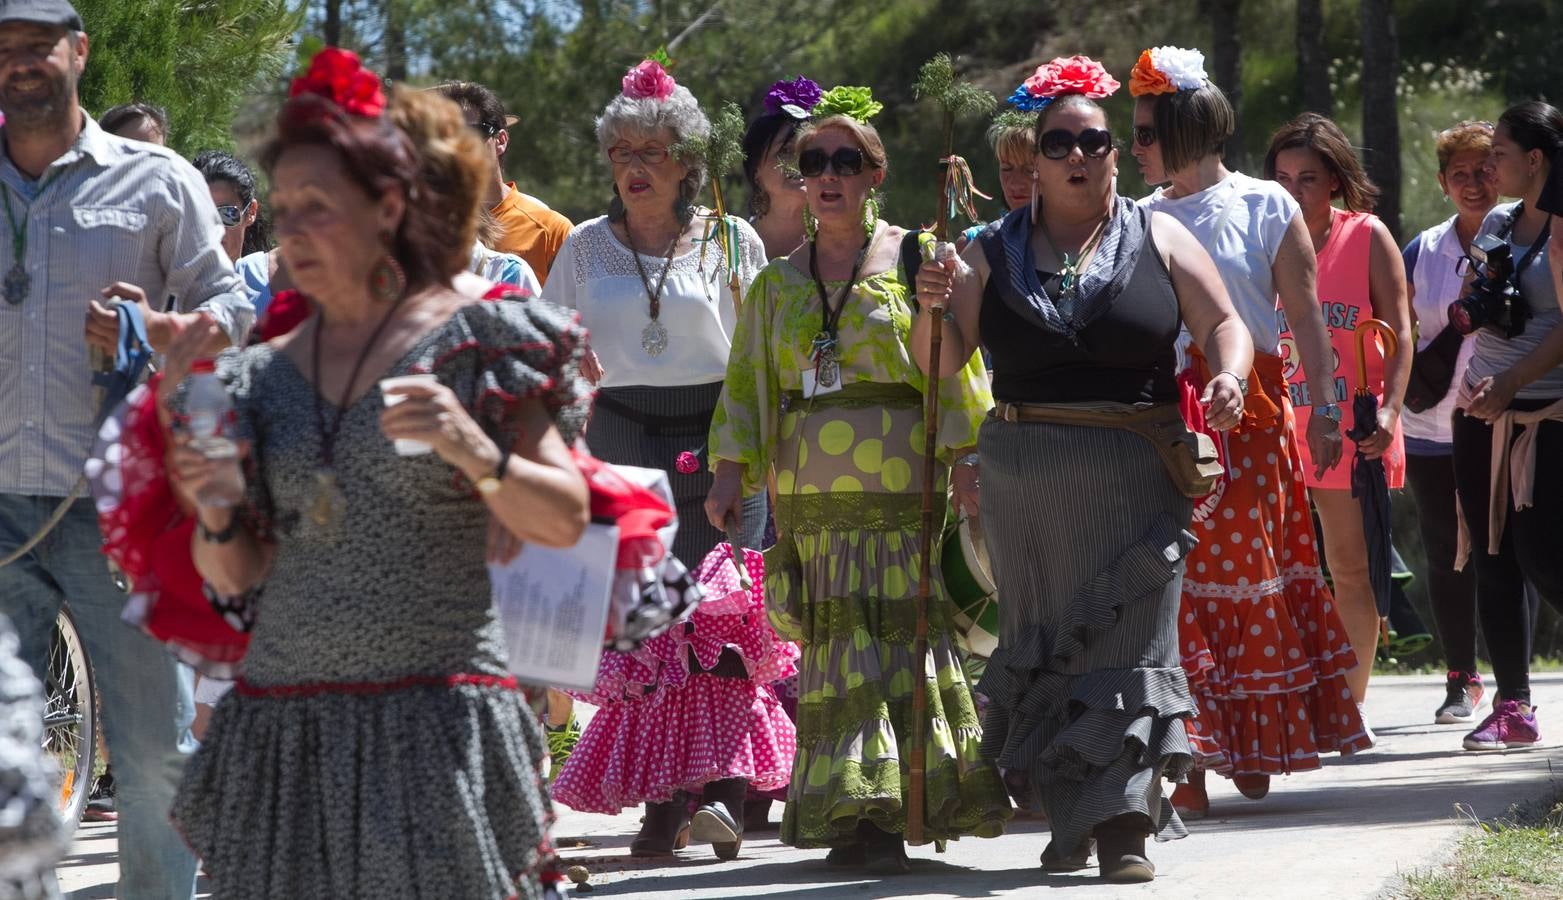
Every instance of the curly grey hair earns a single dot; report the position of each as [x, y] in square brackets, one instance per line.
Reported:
[680, 114]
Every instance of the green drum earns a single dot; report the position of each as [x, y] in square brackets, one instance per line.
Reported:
[968, 577]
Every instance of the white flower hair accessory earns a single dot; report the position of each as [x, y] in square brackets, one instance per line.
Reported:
[1166, 70]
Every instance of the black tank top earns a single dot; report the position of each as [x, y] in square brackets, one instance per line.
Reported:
[1125, 355]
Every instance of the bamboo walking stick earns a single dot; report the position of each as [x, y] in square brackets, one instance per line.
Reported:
[936, 81]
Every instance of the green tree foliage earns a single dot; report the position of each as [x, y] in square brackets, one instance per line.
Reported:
[196, 58]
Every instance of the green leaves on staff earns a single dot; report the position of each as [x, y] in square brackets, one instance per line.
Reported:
[721, 150]
[957, 100]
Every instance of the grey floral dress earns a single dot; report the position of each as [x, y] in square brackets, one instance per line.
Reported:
[375, 745]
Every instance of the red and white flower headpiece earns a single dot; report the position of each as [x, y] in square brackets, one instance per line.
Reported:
[1167, 70]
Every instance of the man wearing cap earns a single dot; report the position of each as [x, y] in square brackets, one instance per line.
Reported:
[531, 230]
[89, 219]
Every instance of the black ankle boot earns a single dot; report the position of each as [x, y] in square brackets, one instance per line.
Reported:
[665, 829]
[1120, 850]
[885, 851]
[720, 819]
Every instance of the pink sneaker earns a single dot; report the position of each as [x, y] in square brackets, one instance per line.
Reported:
[1510, 726]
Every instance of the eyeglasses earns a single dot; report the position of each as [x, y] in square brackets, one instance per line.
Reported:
[1059, 143]
[487, 129]
[230, 215]
[1144, 135]
[846, 162]
[651, 156]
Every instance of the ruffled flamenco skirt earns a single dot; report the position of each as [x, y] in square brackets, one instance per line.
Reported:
[692, 706]
[844, 584]
[1264, 649]
[1087, 701]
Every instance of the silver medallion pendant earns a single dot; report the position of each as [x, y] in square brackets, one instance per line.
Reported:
[829, 370]
[654, 338]
[17, 284]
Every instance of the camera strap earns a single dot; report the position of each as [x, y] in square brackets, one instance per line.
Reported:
[1536, 246]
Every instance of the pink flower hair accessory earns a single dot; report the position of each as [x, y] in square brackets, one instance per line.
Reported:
[1071, 75]
[648, 81]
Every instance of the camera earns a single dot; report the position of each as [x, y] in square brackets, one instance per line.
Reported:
[1494, 300]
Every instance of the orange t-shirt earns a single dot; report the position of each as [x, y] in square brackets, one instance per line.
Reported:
[530, 229]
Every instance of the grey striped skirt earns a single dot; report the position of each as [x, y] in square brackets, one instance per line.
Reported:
[1087, 535]
[649, 427]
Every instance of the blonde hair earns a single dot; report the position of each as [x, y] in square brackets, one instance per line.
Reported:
[1013, 144]
[453, 165]
[1459, 138]
[867, 137]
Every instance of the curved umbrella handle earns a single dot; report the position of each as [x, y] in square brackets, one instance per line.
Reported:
[1391, 347]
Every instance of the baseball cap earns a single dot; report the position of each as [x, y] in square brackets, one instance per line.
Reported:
[43, 12]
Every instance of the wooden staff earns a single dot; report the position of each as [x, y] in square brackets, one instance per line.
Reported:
[936, 81]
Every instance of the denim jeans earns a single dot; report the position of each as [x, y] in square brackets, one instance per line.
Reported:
[144, 694]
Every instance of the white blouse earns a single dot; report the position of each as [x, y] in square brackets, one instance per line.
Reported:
[1437, 280]
[595, 274]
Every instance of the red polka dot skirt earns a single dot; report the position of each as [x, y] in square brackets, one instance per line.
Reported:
[1264, 649]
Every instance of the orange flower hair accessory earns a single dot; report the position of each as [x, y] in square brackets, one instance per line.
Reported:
[340, 77]
[1071, 75]
[1167, 70]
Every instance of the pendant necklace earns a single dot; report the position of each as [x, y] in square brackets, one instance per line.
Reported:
[329, 504]
[654, 337]
[827, 363]
[17, 282]
[1069, 271]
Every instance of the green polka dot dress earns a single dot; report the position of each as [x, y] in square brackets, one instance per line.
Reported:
[842, 578]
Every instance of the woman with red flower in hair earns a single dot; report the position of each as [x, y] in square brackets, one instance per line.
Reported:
[1263, 645]
[1079, 296]
[374, 744]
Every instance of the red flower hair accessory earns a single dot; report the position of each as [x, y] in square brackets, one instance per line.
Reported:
[340, 77]
[1072, 75]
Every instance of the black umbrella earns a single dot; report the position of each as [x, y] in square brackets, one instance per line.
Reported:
[1368, 483]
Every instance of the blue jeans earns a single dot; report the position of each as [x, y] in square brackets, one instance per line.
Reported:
[145, 695]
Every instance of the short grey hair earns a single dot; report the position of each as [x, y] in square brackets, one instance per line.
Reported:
[680, 114]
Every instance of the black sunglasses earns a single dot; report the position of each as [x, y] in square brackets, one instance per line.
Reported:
[230, 215]
[487, 129]
[846, 161]
[1144, 135]
[1059, 143]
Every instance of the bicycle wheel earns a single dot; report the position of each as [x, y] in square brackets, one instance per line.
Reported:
[70, 718]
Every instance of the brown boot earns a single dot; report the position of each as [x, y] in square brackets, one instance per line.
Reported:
[1254, 787]
[1120, 850]
[665, 828]
[720, 819]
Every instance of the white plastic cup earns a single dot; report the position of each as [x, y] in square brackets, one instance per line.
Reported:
[405, 447]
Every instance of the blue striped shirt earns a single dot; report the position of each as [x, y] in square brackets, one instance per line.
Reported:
[107, 210]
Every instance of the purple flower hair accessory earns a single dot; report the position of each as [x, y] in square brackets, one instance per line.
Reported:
[796, 98]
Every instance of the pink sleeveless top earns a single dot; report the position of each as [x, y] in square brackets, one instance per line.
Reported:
[1345, 298]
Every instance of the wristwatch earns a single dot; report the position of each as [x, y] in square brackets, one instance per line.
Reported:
[489, 485]
[217, 537]
[1329, 411]
[1242, 383]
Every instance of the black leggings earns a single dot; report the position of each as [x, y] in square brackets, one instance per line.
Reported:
[1452, 593]
[1530, 548]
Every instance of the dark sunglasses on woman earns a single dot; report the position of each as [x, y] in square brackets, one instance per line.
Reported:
[1059, 142]
[230, 215]
[1144, 135]
[846, 161]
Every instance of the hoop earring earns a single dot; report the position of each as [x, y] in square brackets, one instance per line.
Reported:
[387, 280]
[810, 224]
[616, 210]
[870, 215]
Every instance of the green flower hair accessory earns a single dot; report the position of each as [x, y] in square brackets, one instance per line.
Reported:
[856, 103]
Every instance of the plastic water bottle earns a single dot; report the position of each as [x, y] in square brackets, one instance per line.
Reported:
[214, 433]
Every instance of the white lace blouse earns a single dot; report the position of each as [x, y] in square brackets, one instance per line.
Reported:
[595, 275]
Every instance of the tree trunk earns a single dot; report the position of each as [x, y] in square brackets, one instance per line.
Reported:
[333, 27]
[1380, 106]
[1226, 52]
[395, 41]
[1313, 75]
